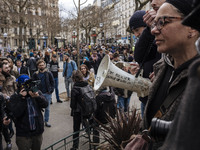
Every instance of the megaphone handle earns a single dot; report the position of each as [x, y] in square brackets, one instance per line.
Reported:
[138, 73]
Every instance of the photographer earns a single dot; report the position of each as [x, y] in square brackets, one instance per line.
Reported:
[26, 107]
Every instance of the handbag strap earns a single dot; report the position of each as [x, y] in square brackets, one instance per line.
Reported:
[171, 98]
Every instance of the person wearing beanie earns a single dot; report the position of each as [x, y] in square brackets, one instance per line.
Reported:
[136, 22]
[31, 54]
[176, 42]
[146, 60]
[26, 107]
[187, 136]
[193, 19]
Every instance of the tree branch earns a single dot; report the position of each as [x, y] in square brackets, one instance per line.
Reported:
[83, 2]
[75, 5]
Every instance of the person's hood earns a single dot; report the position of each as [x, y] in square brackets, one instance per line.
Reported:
[168, 59]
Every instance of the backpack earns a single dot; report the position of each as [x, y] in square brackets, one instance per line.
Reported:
[88, 103]
[106, 105]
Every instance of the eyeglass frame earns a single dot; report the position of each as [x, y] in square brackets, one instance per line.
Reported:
[155, 24]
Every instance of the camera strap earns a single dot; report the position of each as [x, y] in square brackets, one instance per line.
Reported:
[172, 96]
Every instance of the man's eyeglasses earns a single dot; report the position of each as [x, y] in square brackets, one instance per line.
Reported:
[161, 22]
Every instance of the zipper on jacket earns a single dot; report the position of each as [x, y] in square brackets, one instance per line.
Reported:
[171, 76]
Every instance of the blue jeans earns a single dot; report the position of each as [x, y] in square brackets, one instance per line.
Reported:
[68, 82]
[123, 103]
[61, 57]
[47, 110]
[56, 88]
[142, 109]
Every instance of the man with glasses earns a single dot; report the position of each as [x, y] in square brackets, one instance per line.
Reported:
[46, 86]
[95, 61]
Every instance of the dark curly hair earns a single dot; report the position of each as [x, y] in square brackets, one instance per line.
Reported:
[77, 76]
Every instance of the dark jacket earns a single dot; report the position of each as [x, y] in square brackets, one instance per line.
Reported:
[160, 73]
[142, 46]
[95, 64]
[48, 78]
[184, 133]
[106, 105]
[31, 64]
[76, 96]
[23, 70]
[20, 111]
[1, 111]
[120, 92]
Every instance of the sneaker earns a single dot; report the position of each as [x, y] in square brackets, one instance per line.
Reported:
[9, 146]
[47, 124]
[59, 101]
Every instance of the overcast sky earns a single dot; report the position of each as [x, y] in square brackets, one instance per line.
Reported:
[69, 5]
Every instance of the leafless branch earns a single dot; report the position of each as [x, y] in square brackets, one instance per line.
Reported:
[83, 2]
[75, 5]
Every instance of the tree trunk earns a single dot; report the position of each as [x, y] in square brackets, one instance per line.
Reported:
[20, 32]
[78, 27]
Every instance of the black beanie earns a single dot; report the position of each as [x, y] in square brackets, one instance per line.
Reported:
[136, 20]
[184, 6]
[193, 19]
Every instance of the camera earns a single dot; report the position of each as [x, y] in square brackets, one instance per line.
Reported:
[159, 129]
[31, 85]
[6, 107]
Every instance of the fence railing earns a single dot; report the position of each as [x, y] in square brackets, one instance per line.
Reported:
[67, 142]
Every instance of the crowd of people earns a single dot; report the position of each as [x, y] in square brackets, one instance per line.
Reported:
[164, 52]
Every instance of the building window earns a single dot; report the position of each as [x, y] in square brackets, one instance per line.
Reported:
[15, 30]
[2, 30]
[30, 31]
[15, 42]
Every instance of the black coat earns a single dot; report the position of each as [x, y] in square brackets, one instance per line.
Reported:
[76, 96]
[23, 70]
[142, 46]
[1, 111]
[19, 108]
[184, 132]
[95, 64]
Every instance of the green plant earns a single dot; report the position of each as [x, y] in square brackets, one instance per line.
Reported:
[119, 130]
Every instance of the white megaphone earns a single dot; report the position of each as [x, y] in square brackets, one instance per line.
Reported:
[110, 75]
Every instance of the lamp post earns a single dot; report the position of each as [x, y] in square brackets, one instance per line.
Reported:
[44, 42]
[102, 34]
[5, 35]
[74, 36]
[94, 35]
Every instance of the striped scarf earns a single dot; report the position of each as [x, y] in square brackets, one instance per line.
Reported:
[31, 113]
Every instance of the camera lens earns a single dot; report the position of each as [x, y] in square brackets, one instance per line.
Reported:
[159, 129]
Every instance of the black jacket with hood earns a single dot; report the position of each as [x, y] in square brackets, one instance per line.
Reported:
[19, 108]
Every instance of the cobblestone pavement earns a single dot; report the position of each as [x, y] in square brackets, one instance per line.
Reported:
[60, 119]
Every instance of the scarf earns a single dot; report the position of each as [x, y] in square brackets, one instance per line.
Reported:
[31, 113]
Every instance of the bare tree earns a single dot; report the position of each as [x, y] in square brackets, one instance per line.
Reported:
[90, 18]
[20, 13]
[139, 4]
[78, 10]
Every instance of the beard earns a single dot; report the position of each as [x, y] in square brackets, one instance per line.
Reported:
[41, 69]
[5, 74]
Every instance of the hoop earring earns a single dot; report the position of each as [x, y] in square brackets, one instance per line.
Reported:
[189, 36]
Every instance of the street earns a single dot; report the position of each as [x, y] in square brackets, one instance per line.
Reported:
[60, 119]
